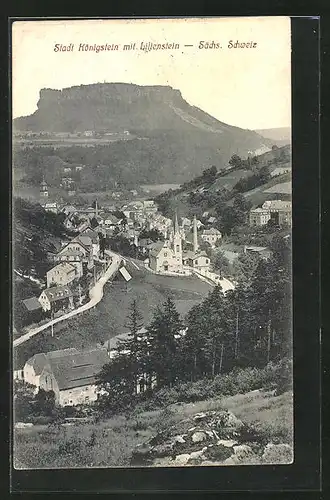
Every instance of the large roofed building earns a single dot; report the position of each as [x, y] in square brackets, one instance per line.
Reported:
[70, 373]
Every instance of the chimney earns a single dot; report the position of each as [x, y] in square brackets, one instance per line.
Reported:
[195, 241]
[176, 223]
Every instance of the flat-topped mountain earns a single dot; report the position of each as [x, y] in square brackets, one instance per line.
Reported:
[170, 139]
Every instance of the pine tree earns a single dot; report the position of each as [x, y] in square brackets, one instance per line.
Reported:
[161, 342]
[131, 347]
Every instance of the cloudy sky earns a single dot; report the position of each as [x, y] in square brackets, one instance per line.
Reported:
[249, 88]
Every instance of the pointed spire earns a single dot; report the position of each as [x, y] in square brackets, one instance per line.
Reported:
[96, 209]
[195, 240]
[176, 223]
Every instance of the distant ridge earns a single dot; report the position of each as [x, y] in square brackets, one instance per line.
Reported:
[282, 134]
[179, 140]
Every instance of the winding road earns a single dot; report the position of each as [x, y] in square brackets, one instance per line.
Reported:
[95, 294]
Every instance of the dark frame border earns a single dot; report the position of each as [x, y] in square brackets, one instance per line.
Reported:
[304, 474]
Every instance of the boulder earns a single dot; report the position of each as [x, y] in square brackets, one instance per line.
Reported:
[182, 459]
[179, 439]
[199, 436]
[228, 443]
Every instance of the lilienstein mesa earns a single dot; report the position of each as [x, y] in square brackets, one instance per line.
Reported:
[85, 47]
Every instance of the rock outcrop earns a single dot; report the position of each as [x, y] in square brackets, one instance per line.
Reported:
[210, 438]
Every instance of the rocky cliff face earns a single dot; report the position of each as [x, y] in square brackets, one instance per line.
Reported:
[210, 438]
[174, 140]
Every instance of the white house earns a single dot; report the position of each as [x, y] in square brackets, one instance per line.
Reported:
[211, 236]
[62, 274]
[70, 373]
[56, 298]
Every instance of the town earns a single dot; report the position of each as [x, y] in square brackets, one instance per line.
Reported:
[164, 246]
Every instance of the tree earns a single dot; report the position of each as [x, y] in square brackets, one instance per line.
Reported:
[161, 343]
[221, 263]
[132, 347]
[241, 204]
[23, 400]
[103, 244]
[152, 234]
[45, 403]
[235, 161]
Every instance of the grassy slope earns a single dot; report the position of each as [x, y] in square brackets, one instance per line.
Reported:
[228, 180]
[111, 442]
[110, 315]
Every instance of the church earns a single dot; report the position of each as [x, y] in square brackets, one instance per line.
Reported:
[168, 256]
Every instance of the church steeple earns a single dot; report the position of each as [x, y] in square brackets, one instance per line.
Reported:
[177, 243]
[176, 224]
[96, 209]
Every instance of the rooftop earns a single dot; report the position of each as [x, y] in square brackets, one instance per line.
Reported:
[32, 304]
[57, 293]
[70, 367]
[63, 266]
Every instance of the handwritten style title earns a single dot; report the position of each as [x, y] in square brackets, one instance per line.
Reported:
[149, 46]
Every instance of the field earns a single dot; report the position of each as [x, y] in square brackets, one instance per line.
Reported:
[109, 443]
[269, 191]
[109, 318]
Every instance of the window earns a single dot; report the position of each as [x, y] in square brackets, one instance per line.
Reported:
[165, 254]
[196, 261]
[207, 261]
[178, 248]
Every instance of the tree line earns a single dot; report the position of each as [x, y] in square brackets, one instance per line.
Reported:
[248, 326]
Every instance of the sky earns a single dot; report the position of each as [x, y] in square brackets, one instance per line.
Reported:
[245, 87]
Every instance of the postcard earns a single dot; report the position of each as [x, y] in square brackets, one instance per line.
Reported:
[151, 191]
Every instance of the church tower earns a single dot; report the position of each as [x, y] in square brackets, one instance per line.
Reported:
[177, 243]
[43, 189]
[195, 239]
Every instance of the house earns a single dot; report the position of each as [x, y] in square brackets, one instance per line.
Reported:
[56, 298]
[87, 242]
[280, 171]
[211, 236]
[67, 170]
[85, 224]
[212, 220]
[62, 274]
[110, 221]
[70, 373]
[145, 244]
[259, 217]
[197, 260]
[95, 239]
[76, 250]
[280, 211]
[186, 223]
[263, 252]
[32, 311]
[74, 257]
[69, 209]
[51, 207]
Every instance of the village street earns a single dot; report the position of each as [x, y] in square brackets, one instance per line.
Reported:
[95, 294]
